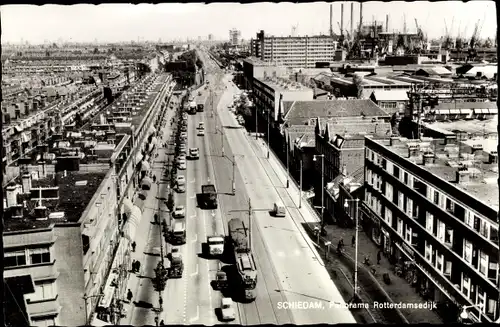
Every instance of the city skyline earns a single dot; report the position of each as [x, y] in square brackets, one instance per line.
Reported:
[120, 22]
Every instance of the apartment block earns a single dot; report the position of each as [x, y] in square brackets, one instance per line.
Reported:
[301, 51]
[436, 205]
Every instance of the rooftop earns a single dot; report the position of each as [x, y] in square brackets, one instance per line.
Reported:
[73, 199]
[483, 175]
[474, 126]
[283, 84]
[298, 111]
[390, 95]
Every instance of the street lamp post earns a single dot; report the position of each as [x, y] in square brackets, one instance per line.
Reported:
[300, 189]
[465, 314]
[268, 144]
[316, 231]
[322, 156]
[85, 298]
[222, 141]
[346, 205]
[327, 249]
[256, 125]
[287, 166]
[234, 181]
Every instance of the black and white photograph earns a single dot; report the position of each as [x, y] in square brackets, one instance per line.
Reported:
[250, 163]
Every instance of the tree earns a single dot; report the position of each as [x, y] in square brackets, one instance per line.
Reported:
[78, 120]
[358, 81]
[160, 279]
[170, 201]
[96, 50]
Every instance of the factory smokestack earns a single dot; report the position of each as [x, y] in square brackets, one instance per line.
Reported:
[352, 17]
[342, 18]
[331, 20]
[360, 15]
[387, 23]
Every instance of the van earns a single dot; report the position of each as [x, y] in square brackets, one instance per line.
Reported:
[179, 233]
[279, 209]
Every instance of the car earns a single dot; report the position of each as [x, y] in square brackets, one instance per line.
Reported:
[199, 93]
[179, 212]
[182, 165]
[182, 150]
[201, 132]
[184, 128]
[201, 125]
[181, 188]
[227, 309]
[194, 153]
[180, 179]
[180, 157]
[184, 135]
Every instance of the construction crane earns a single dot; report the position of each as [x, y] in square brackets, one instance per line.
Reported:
[447, 39]
[420, 38]
[473, 43]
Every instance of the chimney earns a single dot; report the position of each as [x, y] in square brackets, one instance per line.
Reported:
[331, 20]
[394, 140]
[352, 18]
[427, 158]
[41, 213]
[463, 176]
[12, 192]
[413, 150]
[26, 183]
[342, 19]
[387, 23]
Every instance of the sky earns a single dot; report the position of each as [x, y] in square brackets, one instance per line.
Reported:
[168, 21]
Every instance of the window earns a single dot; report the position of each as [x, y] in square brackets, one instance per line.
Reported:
[405, 177]
[388, 191]
[408, 234]
[465, 285]
[396, 171]
[40, 255]
[429, 222]
[43, 291]
[441, 229]
[409, 207]
[369, 176]
[400, 226]
[492, 304]
[388, 216]
[448, 235]
[447, 267]
[494, 234]
[484, 228]
[483, 262]
[428, 251]
[450, 205]
[14, 259]
[436, 197]
[439, 262]
[390, 167]
[468, 219]
[400, 200]
[468, 251]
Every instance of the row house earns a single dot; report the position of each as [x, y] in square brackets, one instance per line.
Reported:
[434, 206]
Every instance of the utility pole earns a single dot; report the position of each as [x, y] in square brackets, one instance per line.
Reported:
[234, 181]
[287, 165]
[256, 124]
[268, 144]
[249, 224]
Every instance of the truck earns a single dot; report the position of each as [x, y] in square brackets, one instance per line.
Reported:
[176, 267]
[179, 233]
[244, 260]
[209, 196]
[215, 245]
[192, 108]
[201, 103]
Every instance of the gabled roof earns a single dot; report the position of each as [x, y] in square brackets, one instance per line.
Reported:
[437, 70]
[302, 111]
[390, 95]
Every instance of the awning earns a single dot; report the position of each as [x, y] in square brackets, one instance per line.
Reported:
[480, 111]
[154, 141]
[146, 183]
[493, 110]
[127, 206]
[24, 138]
[145, 166]
[138, 157]
[454, 111]
[466, 111]
[132, 223]
[442, 112]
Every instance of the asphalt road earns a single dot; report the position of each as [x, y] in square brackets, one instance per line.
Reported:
[296, 269]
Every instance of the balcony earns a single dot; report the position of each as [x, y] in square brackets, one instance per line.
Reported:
[38, 272]
[44, 308]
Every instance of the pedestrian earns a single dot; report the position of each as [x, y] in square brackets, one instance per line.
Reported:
[353, 241]
[341, 242]
[133, 266]
[133, 246]
[378, 257]
[129, 295]
[162, 323]
[154, 177]
[138, 266]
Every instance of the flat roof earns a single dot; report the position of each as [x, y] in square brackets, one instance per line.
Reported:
[293, 86]
[473, 126]
[73, 199]
[483, 179]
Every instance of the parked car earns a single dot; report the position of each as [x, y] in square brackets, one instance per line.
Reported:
[179, 212]
[201, 132]
[180, 179]
[181, 188]
[194, 153]
[227, 309]
[182, 165]
[184, 135]
[181, 157]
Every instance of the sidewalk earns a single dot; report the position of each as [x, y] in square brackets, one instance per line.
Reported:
[144, 229]
[399, 291]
